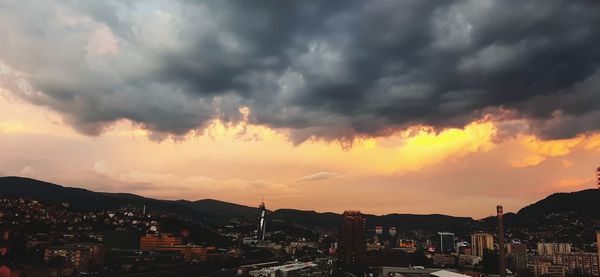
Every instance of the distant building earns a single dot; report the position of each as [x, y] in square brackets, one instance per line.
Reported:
[480, 242]
[407, 245]
[287, 270]
[598, 232]
[392, 232]
[195, 253]
[295, 245]
[378, 230]
[75, 256]
[551, 248]
[352, 242]
[445, 243]
[149, 242]
[578, 263]
[97, 253]
[546, 269]
[262, 222]
[468, 260]
[445, 260]
[517, 255]
[132, 260]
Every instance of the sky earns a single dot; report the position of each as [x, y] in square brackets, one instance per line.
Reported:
[421, 107]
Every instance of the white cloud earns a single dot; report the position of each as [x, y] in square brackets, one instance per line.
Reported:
[28, 170]
[323, 175]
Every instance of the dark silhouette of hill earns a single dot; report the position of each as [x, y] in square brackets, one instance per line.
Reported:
[86, 199]
[583, 203]
[403, 222]
[574, 205]
[221, 208]
[309, 219]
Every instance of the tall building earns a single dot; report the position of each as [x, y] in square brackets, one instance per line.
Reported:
[517, 255]
[262, 222]
[551, 248]
[480, 242]
[598, 232]
[445, 243]
[501, 250]
[352, 242]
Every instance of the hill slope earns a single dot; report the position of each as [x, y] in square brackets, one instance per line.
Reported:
[574, 206]
[584, 203]
[86, 199]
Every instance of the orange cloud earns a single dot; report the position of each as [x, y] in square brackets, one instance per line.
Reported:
[539, 150]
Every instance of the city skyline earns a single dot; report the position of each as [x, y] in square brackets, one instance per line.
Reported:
[187, 101]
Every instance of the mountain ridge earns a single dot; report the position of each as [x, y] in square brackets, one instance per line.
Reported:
[211, 210]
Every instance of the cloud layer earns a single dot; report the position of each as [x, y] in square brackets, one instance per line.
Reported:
[325, 70]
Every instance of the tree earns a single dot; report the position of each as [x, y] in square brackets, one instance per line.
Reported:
[490, 262]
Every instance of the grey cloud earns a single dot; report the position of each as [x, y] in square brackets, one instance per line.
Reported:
[328, 70]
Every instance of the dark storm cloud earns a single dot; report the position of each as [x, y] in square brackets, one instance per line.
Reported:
[327, 69]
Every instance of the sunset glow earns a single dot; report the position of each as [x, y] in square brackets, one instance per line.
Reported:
[156, 101]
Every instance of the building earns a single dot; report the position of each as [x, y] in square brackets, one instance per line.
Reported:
[352, 242]
[407, 245]
[295, 245]
[517, 255]
[578, 263]
[189, 253]
[378, 230]
[392, 232]
[445, 243]
[413, 271]
[546, 269]
[75, 256]
[97, 253]
[480, 242]
[501, 248]
[598, 232]
[551, 248]
[287, 270]
[149, 242]
[262, 222]
[126, 260]
[468, 260]
[445, 260]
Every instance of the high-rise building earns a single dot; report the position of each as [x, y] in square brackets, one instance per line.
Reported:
[445, 242]
[352, 242]
[501, 250]
[480, 242]
[262, 222]
[598, 233]
[551, 248]
[517, 255]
